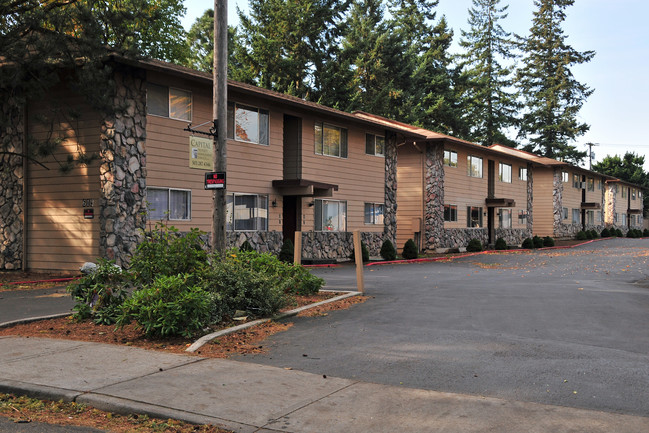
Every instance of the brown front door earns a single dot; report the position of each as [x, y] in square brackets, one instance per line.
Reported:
[291, 219]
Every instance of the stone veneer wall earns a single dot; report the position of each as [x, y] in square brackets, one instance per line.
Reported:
[561, 230]
[459, 238]
[530, 199]
[611, 199]
[263, 242]
[514, 236]
[390, 207]
[11, 188]
[435, 234]
[123, 169]
[337, 245]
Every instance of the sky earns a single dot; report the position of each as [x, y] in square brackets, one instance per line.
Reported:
[616, 30]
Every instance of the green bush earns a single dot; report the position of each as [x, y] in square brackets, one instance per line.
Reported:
[619, 233]
[245, 246]
[500, 244]
[645, 233]
[581, 235]
[474, 246]
[164, 251]
[528, 243]
[548, 241]
[100, 294]
[170, 307]
[388, 252]
[638, 233]
[594, 234]
[287, 251]
[409, 250]
[606, 233]
[537, 241]
[630, 233]
[588, 234]
[365, 254]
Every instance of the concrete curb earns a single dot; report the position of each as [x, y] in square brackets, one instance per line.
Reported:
[33, 319]
[209, 337]
[42, 392]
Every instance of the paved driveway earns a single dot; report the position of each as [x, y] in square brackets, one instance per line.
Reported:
[564, 327]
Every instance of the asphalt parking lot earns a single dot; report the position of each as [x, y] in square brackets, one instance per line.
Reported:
[562, 327]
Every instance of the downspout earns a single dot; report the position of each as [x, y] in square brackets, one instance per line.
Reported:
[25, 198]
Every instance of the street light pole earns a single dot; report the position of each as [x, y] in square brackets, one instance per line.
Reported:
[219, 111]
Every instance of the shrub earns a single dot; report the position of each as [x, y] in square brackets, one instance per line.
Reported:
[388, 252]
[164, 251]
[245, 246]
[170, 307]
[474, 246]
[537, 241]
[501, 244]
[548, 241]
[588, 234]
[100, 294]
[365, 254]
[638, 233]
[630, 233]
[528, 243]
[581, 235]
[286, 253]
[409, 250]
[619, 233]
[645, 233]
[606, 233]
[594, 234]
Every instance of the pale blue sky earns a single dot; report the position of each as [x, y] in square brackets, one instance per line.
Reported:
[617, 30]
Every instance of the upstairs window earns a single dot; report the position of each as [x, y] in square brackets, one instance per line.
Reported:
[474, 166]
[169, 102]
[632, 193]
[575, 181]
[624, 188]
[330, 140]
[565, 177]
[505, 173]
[591, 184]
[522, 173]
[247, 124]
[374, 145]
[450, 158]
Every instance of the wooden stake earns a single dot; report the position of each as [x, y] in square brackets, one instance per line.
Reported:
[358, 256]
[297, 251]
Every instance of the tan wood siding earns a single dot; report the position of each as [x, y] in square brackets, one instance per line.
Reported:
[462, 190]
[58, 236]
[543, 208]
[516, 190]
[410, 177]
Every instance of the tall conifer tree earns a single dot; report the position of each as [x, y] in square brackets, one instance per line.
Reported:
[552, 95]
[489, 107]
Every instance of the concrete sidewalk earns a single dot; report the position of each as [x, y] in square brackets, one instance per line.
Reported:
[253, 398]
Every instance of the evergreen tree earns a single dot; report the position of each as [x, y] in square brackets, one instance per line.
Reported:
[288, 41]
[552, 95]
[488, 105]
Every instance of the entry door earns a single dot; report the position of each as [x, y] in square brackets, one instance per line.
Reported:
[291, 219]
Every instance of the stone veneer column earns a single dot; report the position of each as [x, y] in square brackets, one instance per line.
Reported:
[390, 209]
[434, 195]
[609, 217]
[123, 169]
[530, 198]
[557, 202]
[11, 189]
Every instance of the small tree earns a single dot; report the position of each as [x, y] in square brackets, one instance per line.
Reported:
[388, 252]
[474, 246]
[548, 241]
[606, 233]
[410, 250]
[501, 244]
[528, 243]
[537, 241]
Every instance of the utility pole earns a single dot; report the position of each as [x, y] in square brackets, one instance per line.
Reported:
[590, 154]
[219, 111]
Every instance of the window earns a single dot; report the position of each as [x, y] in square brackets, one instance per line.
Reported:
[374, 145]
[599, 184]
[248, 124]
[373, 213]
[575, 216]
[450, 212]
[330, 140]
[169, 102]
[474, 217]
[590, 217]
[565, 177]
[246, 212]
[632, 193]
[623, 217]
[505, 218]
[504, 172]
[474, 166]
[575, 181]
[450, 158]
[591, 184]
[522, 173]
[632, 220]
[617, 218]
[624, 191]
[565, 214]
[599, 217]
[169, 203]
[330, 215]
[522, 216]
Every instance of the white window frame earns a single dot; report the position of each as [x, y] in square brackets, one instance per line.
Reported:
[576, 181]
[318, 139]
[470, 166]
[263, 128]
[166, 213]
[450, 158]
[170, 90]
[522, 173]
[450, 213]
[374, 140]
[320, 226]
[565, 177]
[576, 216]
[505, 218]
[375, 214]
[590, 184]
[260, 221]
[504, 172]
[566, 214]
